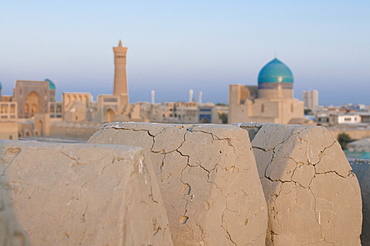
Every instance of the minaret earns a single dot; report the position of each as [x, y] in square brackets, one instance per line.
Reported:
[153, 96]
[191, 99]
[120, 77]
[200, 97]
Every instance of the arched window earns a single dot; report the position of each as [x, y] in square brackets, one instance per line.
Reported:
[109, 115]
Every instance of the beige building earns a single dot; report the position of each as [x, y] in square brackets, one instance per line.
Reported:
[33, 97]
[184, 112]
[270, 102]
[32, 110]
[310, 99]
[18, 113]
[8, 119]
[120, 76]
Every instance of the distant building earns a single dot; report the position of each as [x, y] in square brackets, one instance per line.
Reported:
[184, 112]
[32, 110]
[337, 119]
[120, 76]
[310, 99]
[271, 102]
[33, 97]
[365, 117]
[8, 118]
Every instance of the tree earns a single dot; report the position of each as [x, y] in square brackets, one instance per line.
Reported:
[344, 139]
[307, 111]
[223, 117]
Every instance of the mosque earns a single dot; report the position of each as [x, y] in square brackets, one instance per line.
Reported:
[270, 102]
[32, 110]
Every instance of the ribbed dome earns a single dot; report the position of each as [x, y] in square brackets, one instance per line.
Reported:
[51, 84]
[275, 72]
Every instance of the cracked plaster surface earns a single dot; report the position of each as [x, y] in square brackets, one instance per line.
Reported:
[11, 231]
[83, 194]
[313, 197]
[208, 179]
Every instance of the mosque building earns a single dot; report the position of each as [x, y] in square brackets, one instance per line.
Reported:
[270, 102]
[32, 110]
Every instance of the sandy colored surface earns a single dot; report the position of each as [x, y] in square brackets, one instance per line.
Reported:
[208, 178]
[11, 232]
[83, 194]
[313, 197]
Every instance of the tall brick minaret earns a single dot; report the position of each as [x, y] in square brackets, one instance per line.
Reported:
[120, 77]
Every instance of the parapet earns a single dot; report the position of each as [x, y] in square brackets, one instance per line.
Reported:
[81, 194]
[246, 184]
[208, 178]
[313, 198]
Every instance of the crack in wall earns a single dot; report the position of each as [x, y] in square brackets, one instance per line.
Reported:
[327, 172]
[73, 159]
[253, 242]
[186, 191]
[227, 232]
[293, 133]
[209, 177]
[267, 166]
[162, 151]
[216, 138]
[298, 164]
[318, 218]
[321, 154]
[212, 170]
[151, 196]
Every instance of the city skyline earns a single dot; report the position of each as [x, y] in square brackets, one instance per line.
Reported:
[177, 46]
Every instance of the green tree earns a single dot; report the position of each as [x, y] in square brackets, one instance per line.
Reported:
[223, 117]
[307, 111]
[344, 139]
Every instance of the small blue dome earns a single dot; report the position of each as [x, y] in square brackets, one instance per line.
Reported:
[275, 72]
[1, 87]
[51, 84]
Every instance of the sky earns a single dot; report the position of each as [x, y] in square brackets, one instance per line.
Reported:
[175, 46]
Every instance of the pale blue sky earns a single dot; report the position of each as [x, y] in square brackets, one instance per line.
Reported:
[178, 45]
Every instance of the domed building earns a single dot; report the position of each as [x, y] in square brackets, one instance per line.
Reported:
[270, 102]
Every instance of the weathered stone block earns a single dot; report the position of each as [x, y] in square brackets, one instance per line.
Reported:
[208, 178]
[362, 171]
[313, 198]
[11, 232]
[83, 194]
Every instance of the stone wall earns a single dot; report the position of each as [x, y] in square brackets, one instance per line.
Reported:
[353, 132]
[82, 194]
[208, 178]
[313, 197]
[73, 130]
[246, 184]
[9, 130]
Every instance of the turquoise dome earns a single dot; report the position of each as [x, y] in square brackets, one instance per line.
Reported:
[51, 84]
[1, 87]
[275, 72]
